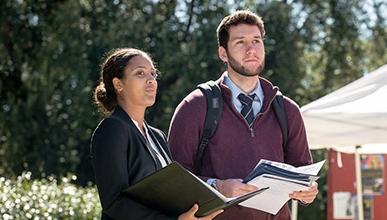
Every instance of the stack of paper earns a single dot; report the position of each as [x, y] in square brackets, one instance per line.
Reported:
[282, 179]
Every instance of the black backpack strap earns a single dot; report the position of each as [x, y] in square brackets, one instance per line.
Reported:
[213, 96]
[279, 109]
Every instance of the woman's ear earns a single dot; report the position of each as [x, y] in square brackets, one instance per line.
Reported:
[222, 53]
[117, 85]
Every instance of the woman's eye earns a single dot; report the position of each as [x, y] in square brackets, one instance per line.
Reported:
[141, 73]
[154, 74]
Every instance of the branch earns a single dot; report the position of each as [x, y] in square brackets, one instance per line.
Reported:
[191, 14]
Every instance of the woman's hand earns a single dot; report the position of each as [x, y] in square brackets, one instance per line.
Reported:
[190, 214]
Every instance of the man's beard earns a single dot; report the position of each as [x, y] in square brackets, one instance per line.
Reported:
[239, 68]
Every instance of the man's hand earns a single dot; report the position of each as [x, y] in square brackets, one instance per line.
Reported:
[306, 196]
[234, 187]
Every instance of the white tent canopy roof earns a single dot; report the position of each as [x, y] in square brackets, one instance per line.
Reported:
[355, 114]
[364, 149]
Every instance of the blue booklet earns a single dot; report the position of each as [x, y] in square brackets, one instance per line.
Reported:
[266, 168]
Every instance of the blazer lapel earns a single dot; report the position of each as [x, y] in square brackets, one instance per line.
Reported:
[120, 113]
[164, 152]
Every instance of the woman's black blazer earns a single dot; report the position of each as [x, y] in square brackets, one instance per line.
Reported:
[122, 157]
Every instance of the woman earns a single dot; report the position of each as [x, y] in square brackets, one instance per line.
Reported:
[124, 148]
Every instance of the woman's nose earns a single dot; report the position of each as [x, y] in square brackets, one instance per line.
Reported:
[151, 80]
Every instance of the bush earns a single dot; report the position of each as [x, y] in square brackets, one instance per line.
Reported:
[23, 198]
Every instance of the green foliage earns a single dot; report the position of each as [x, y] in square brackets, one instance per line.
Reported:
[23, 198]
[284, 48]
[338, 37]
[45, 85]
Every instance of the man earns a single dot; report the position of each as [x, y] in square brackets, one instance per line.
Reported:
[248, 129]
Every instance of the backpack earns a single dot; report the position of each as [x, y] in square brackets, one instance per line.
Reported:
[214, 100]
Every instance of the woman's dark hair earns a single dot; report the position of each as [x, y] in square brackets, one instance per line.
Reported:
[113, 66]
[236, 18]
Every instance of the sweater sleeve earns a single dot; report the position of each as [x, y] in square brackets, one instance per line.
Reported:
[297, 149]
[109, 157]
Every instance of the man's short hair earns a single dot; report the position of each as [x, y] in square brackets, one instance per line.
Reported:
[236, 18]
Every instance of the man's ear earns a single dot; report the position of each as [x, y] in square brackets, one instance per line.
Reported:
[117, 85]
[222, 53]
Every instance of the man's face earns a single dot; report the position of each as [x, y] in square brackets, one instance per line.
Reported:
[246, 53]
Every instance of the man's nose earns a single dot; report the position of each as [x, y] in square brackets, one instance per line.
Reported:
[251, 49]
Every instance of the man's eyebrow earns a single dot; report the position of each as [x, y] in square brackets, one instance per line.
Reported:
[242, 37]
[238, 38]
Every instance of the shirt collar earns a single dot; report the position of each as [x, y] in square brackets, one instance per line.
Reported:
[235, 90]
[138, 127]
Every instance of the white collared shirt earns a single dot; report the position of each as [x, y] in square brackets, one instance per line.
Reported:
[162, 160]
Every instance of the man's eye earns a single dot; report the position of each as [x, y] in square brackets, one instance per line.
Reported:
[257, 41]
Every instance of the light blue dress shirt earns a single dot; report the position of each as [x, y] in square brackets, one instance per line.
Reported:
[235, 91]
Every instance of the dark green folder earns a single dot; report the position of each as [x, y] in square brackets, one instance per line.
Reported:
[173, 190]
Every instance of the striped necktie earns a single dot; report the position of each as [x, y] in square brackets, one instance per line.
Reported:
[247, 107]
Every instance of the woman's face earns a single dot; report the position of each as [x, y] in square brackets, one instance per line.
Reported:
[139, 85]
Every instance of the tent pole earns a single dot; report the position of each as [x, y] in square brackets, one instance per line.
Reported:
[294, 209]
[359, 187]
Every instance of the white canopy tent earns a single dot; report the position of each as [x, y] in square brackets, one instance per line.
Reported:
[356, 114]
[353, 115]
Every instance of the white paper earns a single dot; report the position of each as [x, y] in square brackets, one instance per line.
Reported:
[342, 205]
[274, 198]
[277, 195]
